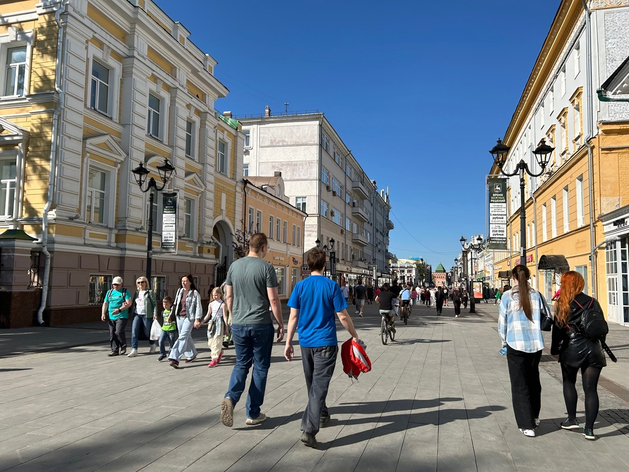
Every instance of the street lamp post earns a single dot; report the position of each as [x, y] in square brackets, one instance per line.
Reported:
[472, 247]
[542, 153]
[140, 173]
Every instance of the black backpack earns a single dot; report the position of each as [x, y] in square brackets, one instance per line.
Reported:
[593, 324]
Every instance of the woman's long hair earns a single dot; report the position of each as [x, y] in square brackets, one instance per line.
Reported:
[572, 284]
[522, 274]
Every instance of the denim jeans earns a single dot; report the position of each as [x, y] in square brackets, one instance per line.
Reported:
[253, 345]
[139, 323]
[184, 346]
[171, 336]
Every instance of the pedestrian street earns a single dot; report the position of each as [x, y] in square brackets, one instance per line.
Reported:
[437, 398]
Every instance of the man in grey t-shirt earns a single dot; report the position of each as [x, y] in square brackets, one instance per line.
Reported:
[250, 290]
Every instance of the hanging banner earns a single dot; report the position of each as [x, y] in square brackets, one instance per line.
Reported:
[497, 214]
[169, 222]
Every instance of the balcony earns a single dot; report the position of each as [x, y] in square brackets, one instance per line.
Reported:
[390, 224]
[360, 187]
[360, 213]
[360, 239]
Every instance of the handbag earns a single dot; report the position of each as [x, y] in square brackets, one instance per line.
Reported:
[545, 318]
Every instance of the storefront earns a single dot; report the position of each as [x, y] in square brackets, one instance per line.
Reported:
[288, 269]
[616, 231]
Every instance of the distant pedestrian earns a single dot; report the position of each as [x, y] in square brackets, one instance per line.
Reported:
[456, 301]
[345, 291]
[361, 294]
[439, 296]
[116, 311]
[577, 352]
[414, 296]
[465, 298]
[144, 312]
[251, 293]
[188, 312]
[312, 306]
[370, 294]
[497, 296]
[445, 295]
[218, 326]
[169, 328]
[519, 329]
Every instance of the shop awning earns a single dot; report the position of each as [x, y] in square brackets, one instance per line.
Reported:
[504, 274]
[556, 263]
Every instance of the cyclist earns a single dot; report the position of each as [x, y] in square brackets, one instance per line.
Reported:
[385, 301]
[405, 298]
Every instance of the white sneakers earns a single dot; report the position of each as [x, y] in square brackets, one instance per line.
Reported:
[133, 353]
[528, 432]
[152, 349]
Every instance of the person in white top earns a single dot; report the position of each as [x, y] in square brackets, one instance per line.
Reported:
[218, 325]
[144, 310]
[345, 290]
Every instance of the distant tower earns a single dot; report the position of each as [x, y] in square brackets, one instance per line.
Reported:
[439, 276]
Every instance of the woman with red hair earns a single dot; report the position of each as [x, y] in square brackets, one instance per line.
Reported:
[576, 352]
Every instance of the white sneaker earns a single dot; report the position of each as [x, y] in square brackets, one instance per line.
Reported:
[133, 353]
[254, 421]
[152, 349]
[528, 432]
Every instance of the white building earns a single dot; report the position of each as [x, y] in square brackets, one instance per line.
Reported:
[325, 180]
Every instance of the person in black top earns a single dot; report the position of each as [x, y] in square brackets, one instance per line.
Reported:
[396, 289]
[385, 302]
[439, 299]
[576, 352]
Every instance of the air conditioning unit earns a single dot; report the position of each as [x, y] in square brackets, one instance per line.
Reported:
[353, 256]
[353, 204]
[342, 231]
[334, 193]
[327, 187]
[332, 213]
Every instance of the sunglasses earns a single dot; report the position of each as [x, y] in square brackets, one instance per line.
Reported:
[142, 282]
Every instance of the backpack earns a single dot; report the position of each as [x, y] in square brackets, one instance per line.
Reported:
[593, 324]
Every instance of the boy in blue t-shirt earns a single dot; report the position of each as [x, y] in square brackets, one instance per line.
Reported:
[116, 308]
[312, 306]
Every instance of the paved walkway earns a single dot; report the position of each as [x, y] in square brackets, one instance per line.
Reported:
[437, 399]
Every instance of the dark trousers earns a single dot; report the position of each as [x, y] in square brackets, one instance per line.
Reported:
[457, 307]
[318, 365]
[526, 389]
[117, 336]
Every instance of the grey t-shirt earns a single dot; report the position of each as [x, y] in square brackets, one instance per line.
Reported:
[249, 278]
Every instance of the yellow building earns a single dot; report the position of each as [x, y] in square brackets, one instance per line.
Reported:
[93, 89]
[268, 210]
[572, 208]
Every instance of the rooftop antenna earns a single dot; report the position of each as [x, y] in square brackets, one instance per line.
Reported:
[286, 108]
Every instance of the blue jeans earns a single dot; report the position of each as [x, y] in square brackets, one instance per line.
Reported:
[139, 323]
[171, 336]
[253, 345]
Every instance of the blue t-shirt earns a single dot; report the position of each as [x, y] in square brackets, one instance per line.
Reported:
[405, 294]
[318, 299]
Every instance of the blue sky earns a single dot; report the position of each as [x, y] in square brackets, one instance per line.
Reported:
[418, 90]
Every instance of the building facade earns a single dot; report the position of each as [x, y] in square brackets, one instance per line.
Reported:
[324, 180]
[268, 210]
[105, 86]
[573, 208]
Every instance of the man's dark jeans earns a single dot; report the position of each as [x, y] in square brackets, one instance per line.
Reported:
[253, 345]
[319, 363]
[117, 336]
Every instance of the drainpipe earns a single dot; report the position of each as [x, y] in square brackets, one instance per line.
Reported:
[590, 135]
[62, 8]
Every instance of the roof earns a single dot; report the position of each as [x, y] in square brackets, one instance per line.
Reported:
[260, 181]
[616, 87]
[440, 268]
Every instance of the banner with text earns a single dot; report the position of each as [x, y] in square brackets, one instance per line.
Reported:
[169, 222]
[497, 214]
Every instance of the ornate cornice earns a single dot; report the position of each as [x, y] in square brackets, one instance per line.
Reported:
[600, 4]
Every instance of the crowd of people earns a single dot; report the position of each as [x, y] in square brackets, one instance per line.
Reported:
[245, 308]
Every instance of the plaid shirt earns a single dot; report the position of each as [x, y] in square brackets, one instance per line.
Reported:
[514, 327]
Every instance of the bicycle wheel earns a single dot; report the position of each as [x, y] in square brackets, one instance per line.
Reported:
[383, 331]
[405, 315]
[392, 333]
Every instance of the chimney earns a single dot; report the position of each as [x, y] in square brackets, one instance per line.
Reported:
[267, 111]
[228, 114]
[277, 173]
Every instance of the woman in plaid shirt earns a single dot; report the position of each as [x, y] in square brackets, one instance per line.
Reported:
[519, 329]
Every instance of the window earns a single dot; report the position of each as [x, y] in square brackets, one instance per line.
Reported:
[576, 59]
[279, 271]
[285, 232]
[258, 221]
[583, 270]
[324, 208]
[325, 141]
[533, 234]
[580, 204]
[562, 81]
[245, 170]
[348, 169]
[271, 224]
[563, 126]
[575, 100]
[190, 138]
[348, 198]
[250, 227]
[153, 122]
[553, 217]
[566, 210]
[544, 224]
[96, 187]
[278, 229]
[156, 215]
[97, 289]
[337, 217]
[542, 116]
[99, 92]
[325, 176]
[188, 205]
[222, 157]
[348, 224]
[247, 134]
[294, 240]
[300, 203]
[15, 76]
[551, 100]
[298, 236]
[293, 278]
[8, 182]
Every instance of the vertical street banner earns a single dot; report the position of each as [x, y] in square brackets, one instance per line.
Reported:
[169, 222]
[497, 214]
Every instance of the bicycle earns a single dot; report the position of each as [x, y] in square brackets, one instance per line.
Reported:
[387, 328]
[405, 311]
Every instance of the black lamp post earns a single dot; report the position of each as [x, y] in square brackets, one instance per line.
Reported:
[471, 247]
[140, 173]
[542, 153]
